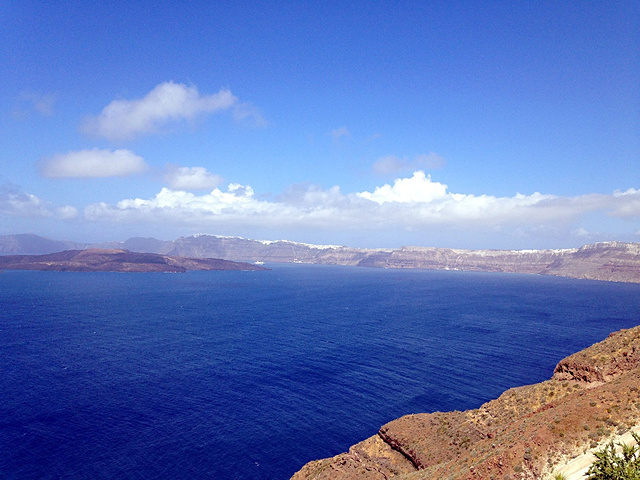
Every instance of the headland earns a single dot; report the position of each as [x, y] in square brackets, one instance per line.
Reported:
[529, 432]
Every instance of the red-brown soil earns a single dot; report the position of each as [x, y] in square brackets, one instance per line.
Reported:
[526, 433]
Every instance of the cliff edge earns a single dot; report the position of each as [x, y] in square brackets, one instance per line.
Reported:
[528, 432]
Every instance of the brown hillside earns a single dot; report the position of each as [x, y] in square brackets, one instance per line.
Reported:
[523, 434]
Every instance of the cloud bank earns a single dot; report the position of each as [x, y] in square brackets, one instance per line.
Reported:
[93, 163]
[415, 203]
[128, 119]
[629, 204]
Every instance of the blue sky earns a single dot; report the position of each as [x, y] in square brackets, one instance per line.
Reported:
[368, 124]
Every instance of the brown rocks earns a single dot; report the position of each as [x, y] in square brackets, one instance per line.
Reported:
[602, 361]
[523, 434]
[372, 459]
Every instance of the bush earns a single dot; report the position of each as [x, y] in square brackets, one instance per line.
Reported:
[610, 465]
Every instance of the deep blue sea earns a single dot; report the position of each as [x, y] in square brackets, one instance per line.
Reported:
[249, 375]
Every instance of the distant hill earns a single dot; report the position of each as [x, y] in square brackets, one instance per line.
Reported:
[100, 260]
[610, 261]
[29, 244]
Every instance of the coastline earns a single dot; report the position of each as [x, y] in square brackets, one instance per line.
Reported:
[605, 261]
[529, 432]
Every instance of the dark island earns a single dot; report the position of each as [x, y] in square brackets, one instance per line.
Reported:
[117, 260]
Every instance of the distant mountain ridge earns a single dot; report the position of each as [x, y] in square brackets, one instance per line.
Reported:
[609, 261]
[29, 244]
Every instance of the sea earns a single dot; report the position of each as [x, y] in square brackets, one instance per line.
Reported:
[249, 375]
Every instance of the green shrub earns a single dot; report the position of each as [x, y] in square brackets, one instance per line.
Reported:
[610, 465]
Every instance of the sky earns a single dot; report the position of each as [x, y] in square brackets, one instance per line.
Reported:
[366, 124]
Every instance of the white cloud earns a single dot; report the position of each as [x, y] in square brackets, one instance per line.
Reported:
[191, 178]
[93, 163]
[127, 119]
[416, 203]
[418, 188]
[67, 212]
[184, 207]
[14, 202]
[17, 203]
[414, 206]
[628, 205]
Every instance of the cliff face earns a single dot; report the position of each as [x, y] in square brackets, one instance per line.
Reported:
[610, 261]
[524, 434]
[512, 261]
[281, 251]
[115, 260]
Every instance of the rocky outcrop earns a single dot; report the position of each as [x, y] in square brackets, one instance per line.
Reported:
[610, 261]
[603, 361]
[100, 260]
[526, 433]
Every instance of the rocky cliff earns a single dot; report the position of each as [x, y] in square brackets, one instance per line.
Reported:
[526, 433]
[513, 261]
[114, 260]
[610, 261]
